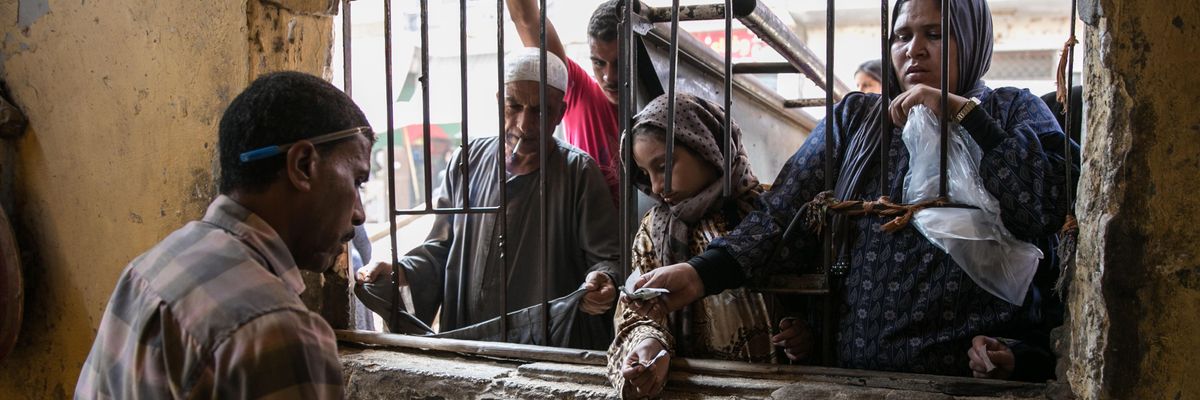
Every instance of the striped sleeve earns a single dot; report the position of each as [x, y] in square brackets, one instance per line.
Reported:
[287, 354]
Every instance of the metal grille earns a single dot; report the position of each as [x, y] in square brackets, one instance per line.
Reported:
[757, 19]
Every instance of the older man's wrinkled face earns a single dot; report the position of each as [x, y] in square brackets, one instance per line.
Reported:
[522, 122]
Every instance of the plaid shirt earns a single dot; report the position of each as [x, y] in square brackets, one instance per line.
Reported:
[213, 311]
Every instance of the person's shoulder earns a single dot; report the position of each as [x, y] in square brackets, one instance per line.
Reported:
[858, 99]
[284, 327]
[484, 143]
[574, 70]
[852, 103]
[1010, 95]
[481, 147]
[573, 155]
[1019, 104]
[211, 281]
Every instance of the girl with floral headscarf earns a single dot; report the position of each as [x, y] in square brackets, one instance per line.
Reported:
[731, 325]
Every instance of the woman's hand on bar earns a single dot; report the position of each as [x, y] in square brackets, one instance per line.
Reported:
[680, 279]
[601, 293]
[645, 370]
[923, 94]
[372, 273]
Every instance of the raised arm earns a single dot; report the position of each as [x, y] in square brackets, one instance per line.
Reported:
[526, 16]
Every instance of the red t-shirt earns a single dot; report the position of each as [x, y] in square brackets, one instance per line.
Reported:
[590, 123]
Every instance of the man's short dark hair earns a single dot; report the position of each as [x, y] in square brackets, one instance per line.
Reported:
[278, 108]
[603, 25]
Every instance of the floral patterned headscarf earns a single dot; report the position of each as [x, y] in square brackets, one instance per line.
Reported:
[700, 128]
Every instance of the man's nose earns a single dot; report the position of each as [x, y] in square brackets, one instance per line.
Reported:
[359, 216]
[526, 122]
[610, 74]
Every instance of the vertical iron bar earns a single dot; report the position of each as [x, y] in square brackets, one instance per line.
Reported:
[346, 61]
[391, 157]
[428, 148]
[1068, 163]
[943, 186]
[545, 138]
[885, 134]
[829, 117]
[501, 176]
[623, 113]
[464, 158]
[828, 251]
[466, 137]
[727, 190]
[671, 77]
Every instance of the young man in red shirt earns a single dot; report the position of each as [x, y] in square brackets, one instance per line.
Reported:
[590, 120]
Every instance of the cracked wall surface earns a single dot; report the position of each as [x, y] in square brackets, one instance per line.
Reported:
[1135, 296]
[123, 100]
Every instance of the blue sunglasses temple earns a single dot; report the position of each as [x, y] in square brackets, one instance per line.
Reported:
[270, 151]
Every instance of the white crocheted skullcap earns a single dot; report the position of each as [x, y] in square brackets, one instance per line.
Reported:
[523, 65]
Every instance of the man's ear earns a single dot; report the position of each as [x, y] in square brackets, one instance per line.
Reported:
[301, 165]
[559, 112]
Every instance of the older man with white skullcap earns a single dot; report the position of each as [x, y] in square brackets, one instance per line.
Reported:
[458, 269]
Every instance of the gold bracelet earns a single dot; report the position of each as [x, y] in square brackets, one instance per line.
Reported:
[966, 109]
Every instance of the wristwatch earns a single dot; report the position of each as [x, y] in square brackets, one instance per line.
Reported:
[966, 109]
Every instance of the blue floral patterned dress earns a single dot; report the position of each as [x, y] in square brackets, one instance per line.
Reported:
[906, 306]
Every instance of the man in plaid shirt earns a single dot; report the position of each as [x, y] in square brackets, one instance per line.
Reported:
[213, 311]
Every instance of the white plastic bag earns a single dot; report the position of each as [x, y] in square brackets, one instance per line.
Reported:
[975, 238]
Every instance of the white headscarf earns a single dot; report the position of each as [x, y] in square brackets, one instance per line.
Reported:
[524, 65]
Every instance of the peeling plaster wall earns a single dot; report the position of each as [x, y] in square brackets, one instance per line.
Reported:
[123, 100]
[1136, 291]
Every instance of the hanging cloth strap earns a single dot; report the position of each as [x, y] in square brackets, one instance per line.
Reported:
[1061, 79]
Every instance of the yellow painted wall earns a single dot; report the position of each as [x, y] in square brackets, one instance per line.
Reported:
[124, 98]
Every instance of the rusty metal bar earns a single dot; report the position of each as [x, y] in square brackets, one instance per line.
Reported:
[625, 105]
[804, 103]
[1067, 122]
[493, 350]
[767, 27]
[827, 249]
[672, 76]
[501, 175]
[544, 140]
[391, 153]
[943, 180]
[885, 134]
[465, 145]
[771, 30]
[428, 147]
[346, 61]
[701, 12]
[695, 53]
[765, 68]
[727, 189]
[449, 211]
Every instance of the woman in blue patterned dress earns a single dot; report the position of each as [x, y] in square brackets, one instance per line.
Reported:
[905, 304]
